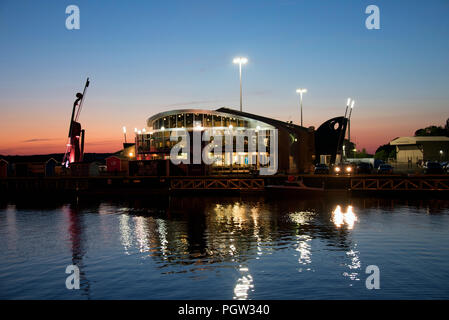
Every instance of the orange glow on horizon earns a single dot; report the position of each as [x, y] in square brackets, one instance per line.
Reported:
[43, 129]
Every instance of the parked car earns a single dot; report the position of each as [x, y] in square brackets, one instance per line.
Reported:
[321, 168]
[343, 168]
[385, 169]
[364, 167]
[377, 163]
[432, 167]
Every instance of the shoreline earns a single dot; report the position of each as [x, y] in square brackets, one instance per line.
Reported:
[122, 186]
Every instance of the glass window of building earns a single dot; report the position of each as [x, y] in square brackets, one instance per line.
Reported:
[217, 121]
[189, 120]
[180, 120]
[166, 124]
[207, 120]
[242, 123]
[198, 121]
[158, 139]
[172, 121]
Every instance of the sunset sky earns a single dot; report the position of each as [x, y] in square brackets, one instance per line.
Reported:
[144, 57]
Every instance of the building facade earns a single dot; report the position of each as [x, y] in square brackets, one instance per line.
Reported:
[417, 149]
[295, 145]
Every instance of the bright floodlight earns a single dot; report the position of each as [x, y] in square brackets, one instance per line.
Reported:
[300, 91]
[240, 60]
[124, 129]
[352, 104]
[349, 102]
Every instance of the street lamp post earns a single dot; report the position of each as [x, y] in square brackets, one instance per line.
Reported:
[124, 132]
[240, 61]
[347, 106]
[301, 91]
[349, 121]
[339, 138]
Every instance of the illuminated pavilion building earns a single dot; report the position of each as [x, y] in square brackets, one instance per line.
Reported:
[297, 150]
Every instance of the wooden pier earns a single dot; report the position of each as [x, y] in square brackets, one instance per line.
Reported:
[117, 185]
[400, 184]
[246, 184]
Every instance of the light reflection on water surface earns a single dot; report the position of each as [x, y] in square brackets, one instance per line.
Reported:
[225, 248]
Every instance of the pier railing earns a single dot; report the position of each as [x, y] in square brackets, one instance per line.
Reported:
[132, 184]
[418, 184]
[217, 184]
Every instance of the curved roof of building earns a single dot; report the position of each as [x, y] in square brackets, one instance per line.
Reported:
[271, 121]
[223, 112]
[177, 111]
[226, 112]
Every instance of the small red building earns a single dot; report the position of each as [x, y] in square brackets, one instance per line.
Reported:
[117, 164]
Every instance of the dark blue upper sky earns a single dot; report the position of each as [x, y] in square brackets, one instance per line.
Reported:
[148, 56]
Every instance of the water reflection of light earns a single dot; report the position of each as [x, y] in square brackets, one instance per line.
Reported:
[354, 265]
[141, 234]
[238, 213]
[304, 249]
[125, 232]
[350, 217]
[103, 211]
[233, 214]
[255, 216]
[244, 284]
[232, 248]
[339, 218]
[11, 226]
[162, 230]
[231, 219]
[301, 217]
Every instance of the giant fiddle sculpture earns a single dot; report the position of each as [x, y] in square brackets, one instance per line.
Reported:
[75, 151]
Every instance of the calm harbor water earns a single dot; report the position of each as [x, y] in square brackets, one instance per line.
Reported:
[225, 248]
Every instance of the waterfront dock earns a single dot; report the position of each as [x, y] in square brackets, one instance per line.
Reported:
[169, 184]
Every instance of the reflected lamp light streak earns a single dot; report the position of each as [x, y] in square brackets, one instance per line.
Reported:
[348, 218]
[244, 284]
